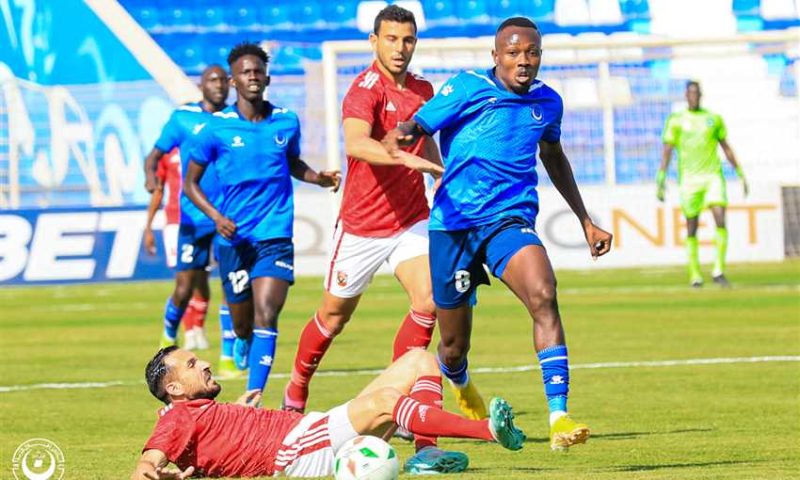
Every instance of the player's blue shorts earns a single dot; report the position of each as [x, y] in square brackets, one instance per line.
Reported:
[194, 247]
[457, 257]
[241, 263]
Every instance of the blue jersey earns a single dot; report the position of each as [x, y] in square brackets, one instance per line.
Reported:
[489, 138]
[178, 132]
[252, 164]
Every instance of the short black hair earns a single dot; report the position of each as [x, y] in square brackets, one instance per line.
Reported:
[156, 370]
[393, 13]
[517, 22]
[691, 83]
[247, 48]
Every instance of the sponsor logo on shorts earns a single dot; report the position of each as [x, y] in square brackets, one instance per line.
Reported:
[341, 278]
[282, 264]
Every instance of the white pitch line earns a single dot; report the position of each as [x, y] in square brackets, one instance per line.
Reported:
[489, 370]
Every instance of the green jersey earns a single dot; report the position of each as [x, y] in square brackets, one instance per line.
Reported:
[695, 134]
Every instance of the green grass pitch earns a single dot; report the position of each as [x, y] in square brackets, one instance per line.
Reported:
[735, 420]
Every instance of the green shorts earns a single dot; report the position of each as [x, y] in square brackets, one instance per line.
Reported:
[702, 191]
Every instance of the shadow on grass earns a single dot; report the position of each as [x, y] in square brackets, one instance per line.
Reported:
[660, 466]
[633, 435]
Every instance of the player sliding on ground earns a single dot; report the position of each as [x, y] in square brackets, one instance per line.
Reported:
[484, 212]
[211, 439]
[695, 133]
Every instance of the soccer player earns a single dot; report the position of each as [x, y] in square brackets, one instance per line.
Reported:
[255, 149]
[210, 439]
[189, 299]
[484, 212]
[695, 133]
[383, 218]
[168, 174]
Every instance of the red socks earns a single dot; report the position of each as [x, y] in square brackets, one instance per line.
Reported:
[430, 421]
[314, 342]
[427, 391]
[195, 315]
[415, 332]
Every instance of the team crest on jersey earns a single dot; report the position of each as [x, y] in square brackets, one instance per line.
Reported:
[447, 90]
[198, 127]
[280, 140]
[341, 278]
[537, 113]
[237, 142]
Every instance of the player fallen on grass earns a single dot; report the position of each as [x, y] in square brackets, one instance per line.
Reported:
[383, 219]
[204, 437]
[484, 212]
[695, 133]
[254, 147]
[188, 244]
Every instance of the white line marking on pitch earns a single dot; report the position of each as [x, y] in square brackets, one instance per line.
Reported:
[521, 368]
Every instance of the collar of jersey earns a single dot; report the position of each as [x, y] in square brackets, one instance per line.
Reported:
[235, 108]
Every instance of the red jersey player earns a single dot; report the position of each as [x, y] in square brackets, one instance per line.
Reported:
[202, 436]
[383, 219]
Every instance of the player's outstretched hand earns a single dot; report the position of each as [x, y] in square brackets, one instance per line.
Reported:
[330, 178]
[149, 242]
[419, 164]
[395, 139]
[250, 398]
[169, 474]
[225, 227]
[599, 240]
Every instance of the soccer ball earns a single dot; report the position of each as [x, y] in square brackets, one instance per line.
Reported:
[366, 458]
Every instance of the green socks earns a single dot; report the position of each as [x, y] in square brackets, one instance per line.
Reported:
[694, 260]
[721, 242]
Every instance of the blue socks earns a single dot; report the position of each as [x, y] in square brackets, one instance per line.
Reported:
[555, 374]
[226, 327]
[172, 319]
[459, 375]
[262, 352]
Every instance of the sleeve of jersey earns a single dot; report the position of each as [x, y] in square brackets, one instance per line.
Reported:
[552, 132]
[171, 435]
[722, 131]
[170, 134]
[444, 108]
[201, 148]
[359, 103]
[670, 134]
[161, 167]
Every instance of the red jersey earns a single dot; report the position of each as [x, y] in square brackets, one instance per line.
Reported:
[380, 200]
[169, 172]
[221, 439]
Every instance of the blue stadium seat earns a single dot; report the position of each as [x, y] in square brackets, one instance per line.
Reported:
[307, 15]
[148, 18]
[241, 17]
[277, 16]
[635, 9]
[474, 11]
[179, 18]
[538, 10]
[340, 14]
[439, 12]
[746, 7]
[211, 16]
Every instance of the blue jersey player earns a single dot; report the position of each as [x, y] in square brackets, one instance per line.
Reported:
[491, 125]
[196, 230]
[254, 147]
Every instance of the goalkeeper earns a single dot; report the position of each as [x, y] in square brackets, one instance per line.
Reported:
[695, 133]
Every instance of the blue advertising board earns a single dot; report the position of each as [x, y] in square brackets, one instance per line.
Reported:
[77, 246]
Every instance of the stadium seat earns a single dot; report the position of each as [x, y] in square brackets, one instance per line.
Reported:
[277, 16]
[148, 18]
[746, 7]
[340, 14]
[779, 10]
[179, 19]
[241, 18]
[439, 12]
[605, 12]
[211, 17]
[474, 11]
[307, 15]
[635, 9]
[572, 12]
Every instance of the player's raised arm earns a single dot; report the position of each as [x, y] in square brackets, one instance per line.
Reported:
[191, 187]
[558, 168]
[301, 171]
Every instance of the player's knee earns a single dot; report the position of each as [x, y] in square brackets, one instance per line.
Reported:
[333, 320]
[453, 355]
[424, 304]
[266, 318]
[183, 292]
[383, 400]
[542, 298]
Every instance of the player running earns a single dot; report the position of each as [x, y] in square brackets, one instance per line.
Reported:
[196, 231]
[255, 148]
[484, 212]
[210, 439]
[695, 132]
[383, 219]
